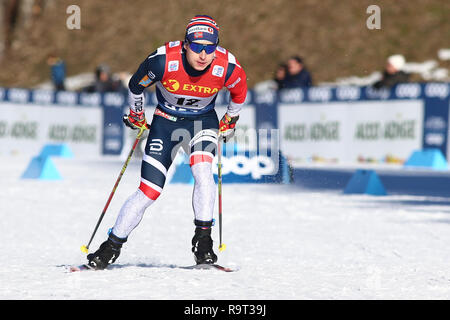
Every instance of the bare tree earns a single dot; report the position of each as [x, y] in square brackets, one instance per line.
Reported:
[10, 17]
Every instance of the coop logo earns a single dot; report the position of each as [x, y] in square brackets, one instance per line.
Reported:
[373, 93]
[436, 123]
[291, 95]
[256, 166]
[171, 85]
[348, 93]
[408, 90]
[319, 94]
[18, 95]
[437, 90]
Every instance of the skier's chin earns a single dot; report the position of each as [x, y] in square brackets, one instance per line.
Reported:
[200, 66]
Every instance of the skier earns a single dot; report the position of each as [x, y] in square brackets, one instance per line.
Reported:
[188, 76]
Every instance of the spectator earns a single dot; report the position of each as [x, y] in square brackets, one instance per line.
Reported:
[104, 81]
[393, 72]
[280, 75]
[298, 75]
[57, 71]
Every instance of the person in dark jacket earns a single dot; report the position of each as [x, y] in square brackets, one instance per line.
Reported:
[298, 75]
[280, 75]
[104, 81]
[393, 73]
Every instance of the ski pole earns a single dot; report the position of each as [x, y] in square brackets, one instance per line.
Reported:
[85, 248]
[219, 185]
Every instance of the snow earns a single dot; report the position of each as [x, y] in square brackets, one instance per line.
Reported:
[287, 243]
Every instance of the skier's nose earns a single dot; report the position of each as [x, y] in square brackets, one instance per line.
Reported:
[202, 55]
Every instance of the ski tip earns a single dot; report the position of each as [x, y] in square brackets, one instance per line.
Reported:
[80, 268]
[74, 269]
[222, 247]
[84, 249]
[207, 266]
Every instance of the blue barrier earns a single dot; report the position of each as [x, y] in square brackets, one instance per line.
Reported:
[43, 168]
[430, 183]
[182, 172]
[365, 182]
[427, 158]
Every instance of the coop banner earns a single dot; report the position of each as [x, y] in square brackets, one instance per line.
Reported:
[350, 132]
[26, 128]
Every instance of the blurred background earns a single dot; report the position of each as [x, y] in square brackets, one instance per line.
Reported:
[341, 83]
[331, 36]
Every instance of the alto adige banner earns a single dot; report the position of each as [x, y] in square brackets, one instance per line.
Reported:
[26, 128]
[349, 132]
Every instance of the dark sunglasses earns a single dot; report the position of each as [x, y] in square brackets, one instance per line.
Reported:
[199, 47]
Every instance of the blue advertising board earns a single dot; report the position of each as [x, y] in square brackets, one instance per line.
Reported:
[435, 97]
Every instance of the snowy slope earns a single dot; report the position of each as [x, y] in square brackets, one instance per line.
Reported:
[287, 243]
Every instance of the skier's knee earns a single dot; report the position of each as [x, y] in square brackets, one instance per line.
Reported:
[202, 171]
[151, 190]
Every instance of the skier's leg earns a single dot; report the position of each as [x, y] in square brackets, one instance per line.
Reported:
[201, 157]
[204, 192]
[131, 213]
[155, 163]
[203, 196]
[153, 175]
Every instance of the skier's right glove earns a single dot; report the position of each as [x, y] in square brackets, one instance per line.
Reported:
[227, 127]
[135, 120]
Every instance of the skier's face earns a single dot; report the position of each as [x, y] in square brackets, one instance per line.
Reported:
[199, 61]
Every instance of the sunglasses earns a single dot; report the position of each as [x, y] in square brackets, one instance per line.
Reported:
[199, 47]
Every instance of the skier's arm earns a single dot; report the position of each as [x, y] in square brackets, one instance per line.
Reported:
[236, 84]
[150, 71]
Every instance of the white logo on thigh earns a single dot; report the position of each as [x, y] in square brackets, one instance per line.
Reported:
[156, 145]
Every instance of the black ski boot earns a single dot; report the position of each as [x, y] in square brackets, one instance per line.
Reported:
[108, 252]
[202, 243]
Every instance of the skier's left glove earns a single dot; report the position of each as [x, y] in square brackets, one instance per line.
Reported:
[227, 126]
[135, 120]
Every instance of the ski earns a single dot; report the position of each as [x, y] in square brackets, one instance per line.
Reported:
[86, 267]
[210, 266]
[83, 267]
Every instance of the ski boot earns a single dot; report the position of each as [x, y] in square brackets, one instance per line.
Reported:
[108, 252]
[202, 243]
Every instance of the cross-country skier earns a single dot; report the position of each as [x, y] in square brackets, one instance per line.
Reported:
[188, 76]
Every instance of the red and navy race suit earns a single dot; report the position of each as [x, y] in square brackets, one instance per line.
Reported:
[182, 90]
[186, 99]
